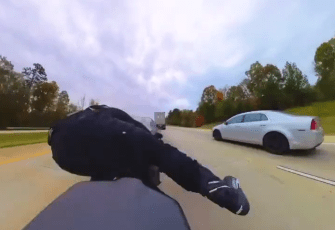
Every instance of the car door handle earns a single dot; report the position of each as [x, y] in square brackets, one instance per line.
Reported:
[262, 125]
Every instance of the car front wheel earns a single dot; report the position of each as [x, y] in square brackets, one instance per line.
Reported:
[276, 143]
[217, 135]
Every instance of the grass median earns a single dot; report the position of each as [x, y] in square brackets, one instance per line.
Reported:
[18, 139]
[324, 110]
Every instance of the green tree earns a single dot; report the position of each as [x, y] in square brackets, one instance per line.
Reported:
[13, 96]
[5, 65]
[256, 79]
[188, 118]
[34, 75]
[219, 111]
[176, 117]
[209, 95]
[44, 103]
[225, 109]
[44, 96]
[236, 93]
[169, 114]
[240, 107]
[324, 59]
[207, 104]
[224, 91]
[62, 105]
[324, 66]
[332, 42]
[266, 84]
[208, 111]
[28, 99]
[244, 86]
[73, 108]
[13, 100]
[297, 89]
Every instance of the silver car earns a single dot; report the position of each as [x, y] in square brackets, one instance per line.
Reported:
[277, 131]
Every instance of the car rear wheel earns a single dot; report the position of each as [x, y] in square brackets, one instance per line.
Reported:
[217, 135]
[276, 143]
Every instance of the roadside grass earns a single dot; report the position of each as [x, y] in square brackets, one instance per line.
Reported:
[18, 139]
[321, 109]
[324, 110]
[328, 125]
[26, 128]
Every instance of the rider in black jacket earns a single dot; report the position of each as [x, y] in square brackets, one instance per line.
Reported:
[104, 143]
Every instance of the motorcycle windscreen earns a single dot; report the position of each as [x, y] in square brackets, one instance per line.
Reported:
[123, 204]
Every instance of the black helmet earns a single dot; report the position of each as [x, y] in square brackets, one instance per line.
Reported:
[98, 140]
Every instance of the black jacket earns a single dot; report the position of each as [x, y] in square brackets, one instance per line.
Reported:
[104, 141]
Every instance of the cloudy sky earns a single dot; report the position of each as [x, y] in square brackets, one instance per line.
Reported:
[149, 55]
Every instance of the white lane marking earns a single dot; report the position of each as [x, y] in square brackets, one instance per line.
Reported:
[307, 175]
[328, 144]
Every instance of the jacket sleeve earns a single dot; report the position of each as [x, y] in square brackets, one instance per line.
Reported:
[185, 171]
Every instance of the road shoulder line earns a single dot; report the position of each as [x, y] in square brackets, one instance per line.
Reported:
[23, 158]
[330, 182]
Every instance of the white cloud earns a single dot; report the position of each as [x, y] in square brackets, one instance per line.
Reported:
[200, 30]
[147, 53]
[181, 103]
[184, 37]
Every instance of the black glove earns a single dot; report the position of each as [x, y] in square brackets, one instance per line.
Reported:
[227, 194]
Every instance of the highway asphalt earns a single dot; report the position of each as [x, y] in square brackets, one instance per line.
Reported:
[30, 180]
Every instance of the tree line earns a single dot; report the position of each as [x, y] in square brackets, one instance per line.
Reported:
[265, 87]
[28, 99]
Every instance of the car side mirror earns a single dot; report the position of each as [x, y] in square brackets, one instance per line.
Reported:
[158, 135]
[225, 123]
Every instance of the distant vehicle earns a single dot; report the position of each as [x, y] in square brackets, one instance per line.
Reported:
[277, 132]
[160, 120]
[148, 123]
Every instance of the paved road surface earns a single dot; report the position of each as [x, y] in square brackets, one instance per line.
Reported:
[28, 186]
[279, 200]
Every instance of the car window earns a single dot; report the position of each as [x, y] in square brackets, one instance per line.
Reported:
[252, 117]
[264, 117]
[234, 120]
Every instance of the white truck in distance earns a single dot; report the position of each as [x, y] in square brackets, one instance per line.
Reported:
[160, 120]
